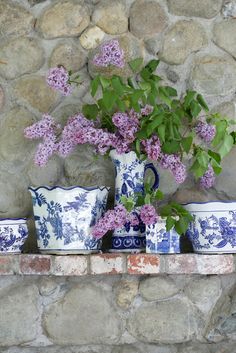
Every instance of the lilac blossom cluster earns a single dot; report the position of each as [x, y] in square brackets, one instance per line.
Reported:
[205, 131]
[58, 79]
[118, 217]
[208, 179]
[152, 147]
[174, 164]
[110, 54]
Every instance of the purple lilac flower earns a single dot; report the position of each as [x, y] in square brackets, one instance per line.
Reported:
[205, 131]
[208, 179]
[152, 147]
[45, 150]
[110, 54]
[146, 110]
[41, 128]
[174, 164]
[58, 79]
[120, 144]
[127, 125]
[133, 219]
[148, 214]
[112, 219]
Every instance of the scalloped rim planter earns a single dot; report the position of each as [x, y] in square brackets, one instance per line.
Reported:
[213, 230]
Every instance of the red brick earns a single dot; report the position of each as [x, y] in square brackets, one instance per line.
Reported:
[143, 264]
[35, 264]
[107, 264]
[215, 264]
[9, 264]
[69, 265]
[180, 264]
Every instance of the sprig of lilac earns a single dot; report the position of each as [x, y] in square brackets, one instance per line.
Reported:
[205, 131]
[58, 79]
[110, 54]
[152, 147]
[148, 214]
[174, 164]
[208, 179]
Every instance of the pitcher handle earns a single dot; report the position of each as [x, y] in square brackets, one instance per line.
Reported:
[156, 175]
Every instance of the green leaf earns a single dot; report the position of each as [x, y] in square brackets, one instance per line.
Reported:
[90, 111]
[186, 143]
[164, 97]
[147, 199]
[158, 195]
[161, 132]
[171, 147]
[170, 222]
[202, 102]
[154, 123]
[226, 146]
[165, 211]
[121, 105]
[181, 226]
[221, 127]
[105, 82]
[197, 169]
[136, 64]
[171, 91]
[117, 85]
[215, 156]
[195, 108]
[94, 85]
[137, 147]
[109, 98]
[152, 65]
[142, 134]
[216, 167]
[203, 158]
[188, 98]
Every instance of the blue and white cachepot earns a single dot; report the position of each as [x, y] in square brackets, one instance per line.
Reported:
[13, 234]
[160, 241]
[64, 217]
[213, 230]
[129, 179]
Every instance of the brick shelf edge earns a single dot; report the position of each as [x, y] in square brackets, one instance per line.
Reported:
[110, 264]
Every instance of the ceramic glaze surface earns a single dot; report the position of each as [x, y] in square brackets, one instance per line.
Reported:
[214, 227]
[129, 179]
[64, 218]
[158, 240]
[13, 233]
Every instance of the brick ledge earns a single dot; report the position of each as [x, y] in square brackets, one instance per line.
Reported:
[133, 264]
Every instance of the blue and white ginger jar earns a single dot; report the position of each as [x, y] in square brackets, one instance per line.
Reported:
[13, 234]
[64, 218]
[213, 230]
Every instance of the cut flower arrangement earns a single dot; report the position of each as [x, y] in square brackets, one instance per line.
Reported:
[143, 115]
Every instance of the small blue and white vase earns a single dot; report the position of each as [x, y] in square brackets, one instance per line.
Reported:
[161, 241]
[129, 179]
[213, 230]
[64, 218]
[13, 234]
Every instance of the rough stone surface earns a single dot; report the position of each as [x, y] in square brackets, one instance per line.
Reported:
[224, 36]
[48, 175]
[125, 293]
[28, 57]
[198, 8]
[14, 20]
[34, 91]
[147, 18]
[63, 19]
[183, 38]
[213, 75]
[91, 37]
[68, 54]
[224, 182]
[18, 304]
[157, 288]
[229, 9]
[111, 17]
[2, 98]
[83, 310]
[151, 322]
[14, 147]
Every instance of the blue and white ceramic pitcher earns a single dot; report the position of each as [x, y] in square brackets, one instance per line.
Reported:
[64, 217]
[129, 179]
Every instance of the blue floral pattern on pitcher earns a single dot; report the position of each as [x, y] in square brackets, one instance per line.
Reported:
[129, 179]
[13, 233]
[64, 217]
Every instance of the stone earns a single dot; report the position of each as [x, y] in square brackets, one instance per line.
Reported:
[224, 182]
[18, 305]
[63, 19]
[182, 39]
[147, 18]
[132, 49]
[47, 286]
[126, 291]
[50, 174]
[87, 310]
[2, 98]
[15, 20]
[68, 54]
[197, 8]
[34, 91]
[213, 75]
[168, 184]
[193, 194]
[229, 8]
[28, 57]
[228, 327]
[126, 349]
[224, 36]
[157, 288]
[15, 200]
[169, 321]
[35, 2]
[91, 37]
[195, 348]
[111, 16]
[226, 109]
[14, 147]
[204, 292]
